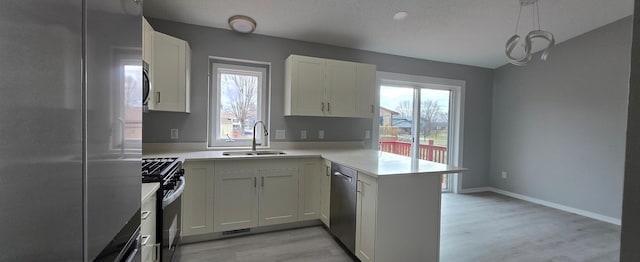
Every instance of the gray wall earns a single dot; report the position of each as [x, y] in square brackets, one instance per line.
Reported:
[207, 42]
[630, 236]
[559, 126]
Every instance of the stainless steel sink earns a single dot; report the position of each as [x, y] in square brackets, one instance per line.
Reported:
[252, 153]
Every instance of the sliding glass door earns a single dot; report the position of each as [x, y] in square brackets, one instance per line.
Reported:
[415, 121]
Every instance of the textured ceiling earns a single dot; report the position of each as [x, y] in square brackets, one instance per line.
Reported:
[456, 31]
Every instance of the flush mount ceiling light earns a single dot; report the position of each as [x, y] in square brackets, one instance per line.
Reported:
[400, 15]
[536, 33]
[242, 24]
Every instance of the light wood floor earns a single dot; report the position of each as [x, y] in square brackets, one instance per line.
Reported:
[481, 227]
[492, 227]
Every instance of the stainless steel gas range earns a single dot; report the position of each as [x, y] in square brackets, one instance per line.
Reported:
[169, 173]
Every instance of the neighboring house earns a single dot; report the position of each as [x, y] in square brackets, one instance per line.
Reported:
[386, 115]
[403, 124]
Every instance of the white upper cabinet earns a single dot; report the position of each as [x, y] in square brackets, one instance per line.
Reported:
[305, 86]
[341, 90]
[147, 41]
[325, 87]
[170, 74]
[365, 92]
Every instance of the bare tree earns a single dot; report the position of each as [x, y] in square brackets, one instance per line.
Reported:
[242, 94]
[405, 108]
[429, 110]
[442, 117]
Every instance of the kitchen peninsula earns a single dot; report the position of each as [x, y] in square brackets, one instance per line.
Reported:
[398, 211]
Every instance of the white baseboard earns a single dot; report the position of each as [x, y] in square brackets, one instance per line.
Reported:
[612, 220]
[475, 190]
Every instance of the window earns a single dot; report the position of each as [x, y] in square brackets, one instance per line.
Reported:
[238, 100]
[126, 101]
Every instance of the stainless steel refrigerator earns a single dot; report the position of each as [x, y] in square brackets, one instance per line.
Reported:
[70, 127]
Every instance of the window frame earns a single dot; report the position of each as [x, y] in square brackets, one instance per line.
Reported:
[456, 113]
[214, 100]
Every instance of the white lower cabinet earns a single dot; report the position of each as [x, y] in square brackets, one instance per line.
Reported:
[278, 193]
[148, 215]
[309, 196]
[251, 193]
[398, 218]
[366, 207]
[325, 193]
[197, 198]
[235, 201]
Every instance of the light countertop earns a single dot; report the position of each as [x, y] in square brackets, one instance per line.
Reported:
[372, 162]
[149, 189]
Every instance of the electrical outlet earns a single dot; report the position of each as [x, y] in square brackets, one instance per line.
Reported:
[303, 134]
[280, 134]
[367, 134]
[321, 134]
[504, 174]
[174, 133]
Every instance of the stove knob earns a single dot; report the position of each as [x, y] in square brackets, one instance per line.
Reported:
[180, 172]
[171, 185]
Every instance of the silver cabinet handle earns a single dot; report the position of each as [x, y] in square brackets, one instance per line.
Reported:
[327, 173]
[322, 107]
[328, 106]
[262, 181]
[145, 214]
[145, 240]
[359, 186]
[255, 182]
[157, 97]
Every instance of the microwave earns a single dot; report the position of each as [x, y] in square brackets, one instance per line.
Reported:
[146, 86]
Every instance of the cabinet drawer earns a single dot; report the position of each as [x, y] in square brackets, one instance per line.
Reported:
[148, 216]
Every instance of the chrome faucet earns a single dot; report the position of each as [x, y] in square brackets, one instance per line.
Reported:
[266, 133]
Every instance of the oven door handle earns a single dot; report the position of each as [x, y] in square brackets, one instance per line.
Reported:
[176, 193]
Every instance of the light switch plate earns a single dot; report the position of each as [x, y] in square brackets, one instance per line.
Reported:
[321, 134]
[303, 134]
[280, 134]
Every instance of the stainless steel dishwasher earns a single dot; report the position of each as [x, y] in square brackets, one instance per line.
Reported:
[343, 205]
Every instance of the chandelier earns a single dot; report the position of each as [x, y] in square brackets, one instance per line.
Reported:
[528, 39]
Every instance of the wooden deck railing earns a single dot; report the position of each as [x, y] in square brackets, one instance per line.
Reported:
[426, 151]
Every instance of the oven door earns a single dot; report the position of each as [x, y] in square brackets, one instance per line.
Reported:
[171, 220]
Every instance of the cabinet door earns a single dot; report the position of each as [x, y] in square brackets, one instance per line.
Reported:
[306, 86]
[366, 211]
[197, 198]
[341, 88]
[235, 201]
[309, 202]
[169, 73]
[278, 195]
[147, 41]
[148, 229]
[325, 193]
[365, 93]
